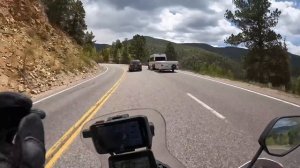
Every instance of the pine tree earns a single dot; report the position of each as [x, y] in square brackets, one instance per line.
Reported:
[75, 23]
[88, 38]
[138, 48]
[114, 53]
[118, 44]
[69, 16]
[266, 51]
[170, 52]
[105, 55]
[125, 55]
[57, 10]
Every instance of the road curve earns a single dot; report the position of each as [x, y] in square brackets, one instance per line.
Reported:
[64, 109]
[209, 124]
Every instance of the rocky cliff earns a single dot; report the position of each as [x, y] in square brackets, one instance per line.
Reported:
[34, 55]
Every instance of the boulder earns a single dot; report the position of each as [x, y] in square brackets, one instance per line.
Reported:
[4, 80]
[21, 88]
[43, 89]
[29, 41]
[12, 84]
[33, 91]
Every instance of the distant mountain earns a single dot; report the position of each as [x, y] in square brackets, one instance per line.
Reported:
[237, 54]
[198, 59]
[156, 45]
[233, 53]
[295, 64]
[206, 59]
[100, 47]
[285, 129]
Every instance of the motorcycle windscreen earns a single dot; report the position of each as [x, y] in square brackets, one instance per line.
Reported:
[263, 163]
[159, 143]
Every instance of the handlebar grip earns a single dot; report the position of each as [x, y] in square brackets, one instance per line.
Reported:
[39, 112]
[86, 133]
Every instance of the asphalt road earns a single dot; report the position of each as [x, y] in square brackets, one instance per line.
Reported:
[209, 124]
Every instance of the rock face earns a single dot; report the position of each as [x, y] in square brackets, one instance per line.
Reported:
[34, 56]
[3, 80]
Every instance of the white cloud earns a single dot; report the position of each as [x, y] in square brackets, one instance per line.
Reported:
[169, 20]
[179, 20]
[293, 48]
[289, 19]
[288, 25]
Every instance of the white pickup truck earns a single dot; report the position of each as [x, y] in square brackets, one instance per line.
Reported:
[159, 62]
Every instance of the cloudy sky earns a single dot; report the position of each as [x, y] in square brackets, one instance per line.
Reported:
[179, 20]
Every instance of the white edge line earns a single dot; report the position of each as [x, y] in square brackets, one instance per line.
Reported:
[206, 106]
[38, 101]
[251, 91]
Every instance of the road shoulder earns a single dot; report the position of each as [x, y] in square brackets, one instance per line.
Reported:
[255, 88]
[71, 83]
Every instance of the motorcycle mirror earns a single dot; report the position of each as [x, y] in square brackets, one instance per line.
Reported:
[282, 136]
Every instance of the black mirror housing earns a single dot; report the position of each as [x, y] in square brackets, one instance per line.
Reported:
[268, 130]
[86, 133]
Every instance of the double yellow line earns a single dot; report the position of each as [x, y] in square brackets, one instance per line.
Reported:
[57, 150]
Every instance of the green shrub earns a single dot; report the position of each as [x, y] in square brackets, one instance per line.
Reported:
[298, 85]
[295, 85]
[90, 54]
[208, 69]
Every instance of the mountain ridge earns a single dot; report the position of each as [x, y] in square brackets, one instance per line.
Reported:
[100, 47]
[229, 54]
[197, 59]
[236, 54]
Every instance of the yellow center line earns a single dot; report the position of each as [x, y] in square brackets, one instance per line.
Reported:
[57, 150]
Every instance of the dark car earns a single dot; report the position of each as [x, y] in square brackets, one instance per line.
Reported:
[135, 65]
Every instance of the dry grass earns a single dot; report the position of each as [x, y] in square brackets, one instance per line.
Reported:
[56, 67]
[44, 36]
[73, 63]
[31, 33]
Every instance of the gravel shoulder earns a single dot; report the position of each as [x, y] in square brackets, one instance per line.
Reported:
[70, 81]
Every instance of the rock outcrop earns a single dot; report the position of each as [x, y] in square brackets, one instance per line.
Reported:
[34, 55]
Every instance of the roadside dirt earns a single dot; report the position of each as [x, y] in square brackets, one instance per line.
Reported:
[35, 56]
[70, 81]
